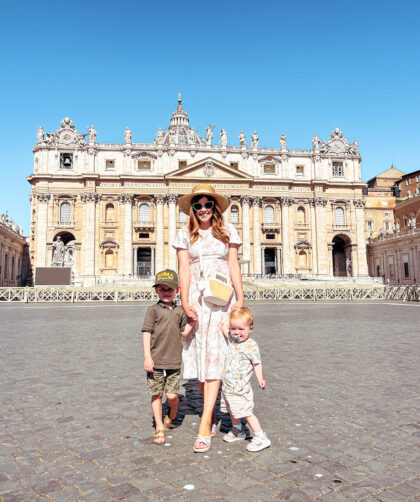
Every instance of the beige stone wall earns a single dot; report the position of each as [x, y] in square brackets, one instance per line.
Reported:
[12, 245]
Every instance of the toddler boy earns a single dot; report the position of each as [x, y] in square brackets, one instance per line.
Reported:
[163, 326]
[242, 357]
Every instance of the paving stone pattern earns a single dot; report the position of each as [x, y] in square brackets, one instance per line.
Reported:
[341, 408]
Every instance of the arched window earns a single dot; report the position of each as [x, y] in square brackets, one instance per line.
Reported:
[65, 212]
[301, 215]
[109, 258]
[144, 212]
[234, 214]
[269, 214]
[339, 216]
[109, 212]
[182, 217]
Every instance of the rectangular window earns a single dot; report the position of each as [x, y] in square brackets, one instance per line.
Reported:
[110, 164]
[406, 271]
[408, 193]
[66, 161]
[300, 170]
[387, 214]
[182, 163]
[235, 165]
[337, 169]
[269, 169]
[270, 236]
[370, 225]
[407, 182]
[386, 225]
[143, 165]
[143, 236]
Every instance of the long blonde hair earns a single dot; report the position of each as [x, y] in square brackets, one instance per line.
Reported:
[217, 222]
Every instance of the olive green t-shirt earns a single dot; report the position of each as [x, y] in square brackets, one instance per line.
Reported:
[165, 325]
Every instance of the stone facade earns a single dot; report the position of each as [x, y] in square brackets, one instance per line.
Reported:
[13, 254]
[395, 255]
[115, 205]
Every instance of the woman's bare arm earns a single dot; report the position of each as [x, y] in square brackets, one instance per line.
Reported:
[184, 282]
[235, 275]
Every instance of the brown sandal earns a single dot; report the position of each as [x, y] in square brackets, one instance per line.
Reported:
[159, 437]
[168, 423]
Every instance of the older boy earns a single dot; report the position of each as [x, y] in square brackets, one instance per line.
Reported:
[164, 324]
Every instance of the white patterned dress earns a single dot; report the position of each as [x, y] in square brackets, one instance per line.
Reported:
[203, 351]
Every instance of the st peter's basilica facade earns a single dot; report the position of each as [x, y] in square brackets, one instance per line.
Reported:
[109, 210]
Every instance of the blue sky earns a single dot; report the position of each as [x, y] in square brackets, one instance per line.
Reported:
[271, 66]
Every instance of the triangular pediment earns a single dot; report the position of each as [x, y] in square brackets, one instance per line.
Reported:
[209, 169]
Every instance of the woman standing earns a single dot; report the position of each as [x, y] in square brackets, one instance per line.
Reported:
[205, 248]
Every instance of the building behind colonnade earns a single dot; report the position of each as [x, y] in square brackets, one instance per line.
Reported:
[114, 205]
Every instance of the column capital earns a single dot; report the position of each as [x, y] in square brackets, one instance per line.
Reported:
[257, 201]
[89, 197]
[246, 200]
[160, 199]
[359, 203]
[318, 201]
[42, 197]
[126, 198]
[286, 201]
[172, 198]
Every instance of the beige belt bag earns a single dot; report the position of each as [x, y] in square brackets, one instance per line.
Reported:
[214, 290]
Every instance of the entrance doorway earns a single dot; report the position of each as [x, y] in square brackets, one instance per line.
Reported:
[144, 262]
[270, 265]
[339, 256]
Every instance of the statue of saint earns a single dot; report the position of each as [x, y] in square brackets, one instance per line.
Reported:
[40, 134]
[192, 136]
[159, 136]
[397, 226]
[58, 252]
[315, 143]
[209, 134]
[92, 134]
[283, 141]
[242, 139]
[171, 136]
[348, 266]
[223, 137]
[128, 135]
[255, 139]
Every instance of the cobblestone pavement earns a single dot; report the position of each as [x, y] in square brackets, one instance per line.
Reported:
[341, 408]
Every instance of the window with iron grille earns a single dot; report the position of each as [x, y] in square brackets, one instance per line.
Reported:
[337, 169]
[339, 216]
[269, 214]
[65, 212]
[144, 212]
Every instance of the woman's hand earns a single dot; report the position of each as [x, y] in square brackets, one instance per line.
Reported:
[238, 304]
[191, 313]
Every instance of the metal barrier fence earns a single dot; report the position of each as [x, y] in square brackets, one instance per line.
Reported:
[47, 294]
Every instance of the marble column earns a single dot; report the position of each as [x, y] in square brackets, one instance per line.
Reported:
[41, 231]
[127, 200]
[172, 199]
[285, 234]
[89, 238]
[359, 205]
[324, 258]
[313, 237]
[256, 207]
[246, 230]
[159, 258]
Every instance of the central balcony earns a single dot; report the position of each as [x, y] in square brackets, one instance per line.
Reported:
[271, 228]
[144, 226]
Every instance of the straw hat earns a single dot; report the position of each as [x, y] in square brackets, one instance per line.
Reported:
[202, 189]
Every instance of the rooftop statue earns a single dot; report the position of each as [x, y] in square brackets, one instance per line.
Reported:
[255, 139]
[242, 139]
[128, 135]
[283, 141]
[209, 134]
[223, 137]
[40, 134]
[92, 134]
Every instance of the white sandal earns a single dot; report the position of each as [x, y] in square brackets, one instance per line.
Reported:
[205, 440]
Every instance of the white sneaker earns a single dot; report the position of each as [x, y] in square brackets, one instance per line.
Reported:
[234, 435]
[259, 443]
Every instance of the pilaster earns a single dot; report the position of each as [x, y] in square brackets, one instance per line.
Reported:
[42, 226]
[127, 200]
[246, 229]
[172, 200]
[160, 200]
[359, 205]
[286, 202]
[256, 206]
[88, 265]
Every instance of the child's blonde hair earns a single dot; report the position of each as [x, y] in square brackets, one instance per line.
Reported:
[243, 313]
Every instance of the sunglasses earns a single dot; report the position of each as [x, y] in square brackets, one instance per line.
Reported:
[207, 205]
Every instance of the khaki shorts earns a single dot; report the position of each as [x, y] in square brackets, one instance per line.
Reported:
[239, 406]
[161, 381]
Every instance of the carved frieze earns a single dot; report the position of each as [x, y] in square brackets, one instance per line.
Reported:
[338, 145]
[66, 135]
